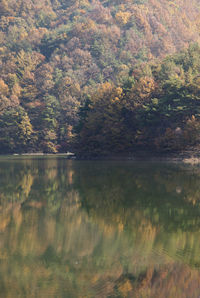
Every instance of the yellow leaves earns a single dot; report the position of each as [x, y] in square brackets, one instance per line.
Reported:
[69, 131]
[103, 90]
[124, 67]
[4, 90]
[108, 230]
[146, 85]
[173, 7]
[50, 146]
[144, 8]
[122, 17]
[95, 278]
[76, 19]
[2, 49]
[155, 101]
[173, 4]
[143, 89]
[148, 231]
[120, 227]
[125, 287]
[23, 35]
[119, 91]
[105, 87]
[16, 90]
[4, 221]
[84, 3]
[67, 81]
[108, 92]
[17, 216]
[26, 128]
[26, 184]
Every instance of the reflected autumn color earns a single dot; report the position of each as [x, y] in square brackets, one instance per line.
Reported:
[98, 229]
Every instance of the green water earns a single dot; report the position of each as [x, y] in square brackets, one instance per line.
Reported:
[98, 229]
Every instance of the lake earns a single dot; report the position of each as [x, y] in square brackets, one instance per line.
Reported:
[73, 228]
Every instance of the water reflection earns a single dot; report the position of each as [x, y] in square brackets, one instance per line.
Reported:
[98, 229]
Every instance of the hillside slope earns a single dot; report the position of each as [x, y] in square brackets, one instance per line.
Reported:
[54, 54]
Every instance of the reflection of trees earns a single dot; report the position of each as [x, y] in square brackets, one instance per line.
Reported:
[15, 181]
[143, 201]
[157, 208]
[46, 239]
[78, 229]
[166, 195]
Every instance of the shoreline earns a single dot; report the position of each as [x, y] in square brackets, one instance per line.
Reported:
[189, 157]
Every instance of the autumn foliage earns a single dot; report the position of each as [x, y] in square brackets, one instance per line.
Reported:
[56, 55]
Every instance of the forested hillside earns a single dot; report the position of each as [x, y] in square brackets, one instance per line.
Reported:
[156, 109]
[90, 73]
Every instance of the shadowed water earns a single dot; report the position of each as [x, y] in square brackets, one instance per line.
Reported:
[98, 229]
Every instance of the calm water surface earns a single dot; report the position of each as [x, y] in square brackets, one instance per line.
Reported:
[98, 229]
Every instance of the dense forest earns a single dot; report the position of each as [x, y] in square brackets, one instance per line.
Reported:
[99, 76]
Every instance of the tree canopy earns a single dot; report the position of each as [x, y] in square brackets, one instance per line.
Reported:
[55, 55]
